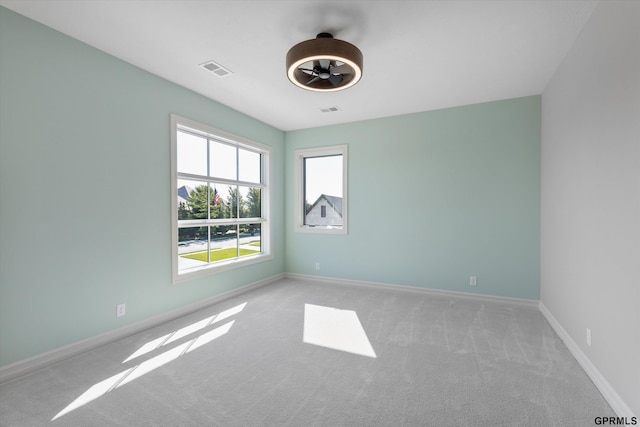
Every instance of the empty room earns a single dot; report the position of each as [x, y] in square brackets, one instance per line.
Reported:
[328, 213]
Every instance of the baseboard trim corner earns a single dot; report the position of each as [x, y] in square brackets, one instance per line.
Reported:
[26, 366]
[611, 396]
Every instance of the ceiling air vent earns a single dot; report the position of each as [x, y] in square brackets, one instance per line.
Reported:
[216, 69]
[330, 109]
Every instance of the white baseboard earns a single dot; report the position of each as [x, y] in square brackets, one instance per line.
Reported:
[31, 364]
[404, 288]
[611, 396]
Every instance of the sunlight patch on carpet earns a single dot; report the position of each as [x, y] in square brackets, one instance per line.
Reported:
[336, 329]
[197, 340]
[183, 332]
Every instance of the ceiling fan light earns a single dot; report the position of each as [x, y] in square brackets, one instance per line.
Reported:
[325, 48]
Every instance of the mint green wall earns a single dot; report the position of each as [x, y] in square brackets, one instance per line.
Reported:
[434, 198]
[84, 191]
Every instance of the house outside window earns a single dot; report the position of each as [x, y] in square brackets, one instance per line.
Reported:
[220, 200]
[321, 190]
[325, 211]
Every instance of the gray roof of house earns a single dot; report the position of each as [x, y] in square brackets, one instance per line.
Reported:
[334, 201]
[183, 194]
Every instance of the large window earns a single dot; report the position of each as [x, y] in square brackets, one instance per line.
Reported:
[220, 198]
[321, 190]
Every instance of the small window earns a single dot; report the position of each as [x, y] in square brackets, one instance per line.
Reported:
[220, 198]
[321, 190]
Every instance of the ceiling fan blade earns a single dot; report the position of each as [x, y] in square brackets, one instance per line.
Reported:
[324, 63]
[313, 80]
[307, 71]
[335, 79]
[341, 69]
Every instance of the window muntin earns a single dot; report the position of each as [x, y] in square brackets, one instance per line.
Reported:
[220, 182]
[321, 190]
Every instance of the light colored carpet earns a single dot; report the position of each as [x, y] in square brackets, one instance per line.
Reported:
[436, 361]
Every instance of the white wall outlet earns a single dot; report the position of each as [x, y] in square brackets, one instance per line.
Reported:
[589, 337]
[473, 280]
[121, 310]
[317, 266]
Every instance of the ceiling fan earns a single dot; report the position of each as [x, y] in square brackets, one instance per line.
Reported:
[324, 64]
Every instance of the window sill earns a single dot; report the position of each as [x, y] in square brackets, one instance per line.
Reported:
[219, 267]
[321, 229]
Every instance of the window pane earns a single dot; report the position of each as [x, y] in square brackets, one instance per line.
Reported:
[192, 199]
[323, 191]
[217, 235]
[192, 154]
[250, 239]
[223, 242]
[250, 202]
[231, 201]
[249, 166]
[223, 160]
[218, 206]
[192, 247]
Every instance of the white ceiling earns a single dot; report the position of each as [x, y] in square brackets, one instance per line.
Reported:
[418, 55]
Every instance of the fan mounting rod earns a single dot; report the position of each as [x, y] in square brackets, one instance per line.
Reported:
[324, 64]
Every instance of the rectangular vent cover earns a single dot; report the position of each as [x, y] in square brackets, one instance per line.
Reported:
[216, 69]
[330, 109]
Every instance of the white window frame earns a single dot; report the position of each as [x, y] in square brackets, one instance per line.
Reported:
[299, 199]
[265, 254]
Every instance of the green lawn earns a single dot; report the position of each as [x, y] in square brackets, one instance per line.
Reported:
[218, 254]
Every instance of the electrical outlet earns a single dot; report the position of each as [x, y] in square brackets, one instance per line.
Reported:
[317, 266]
[589, 337]
[473, 280]
[121, 310]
